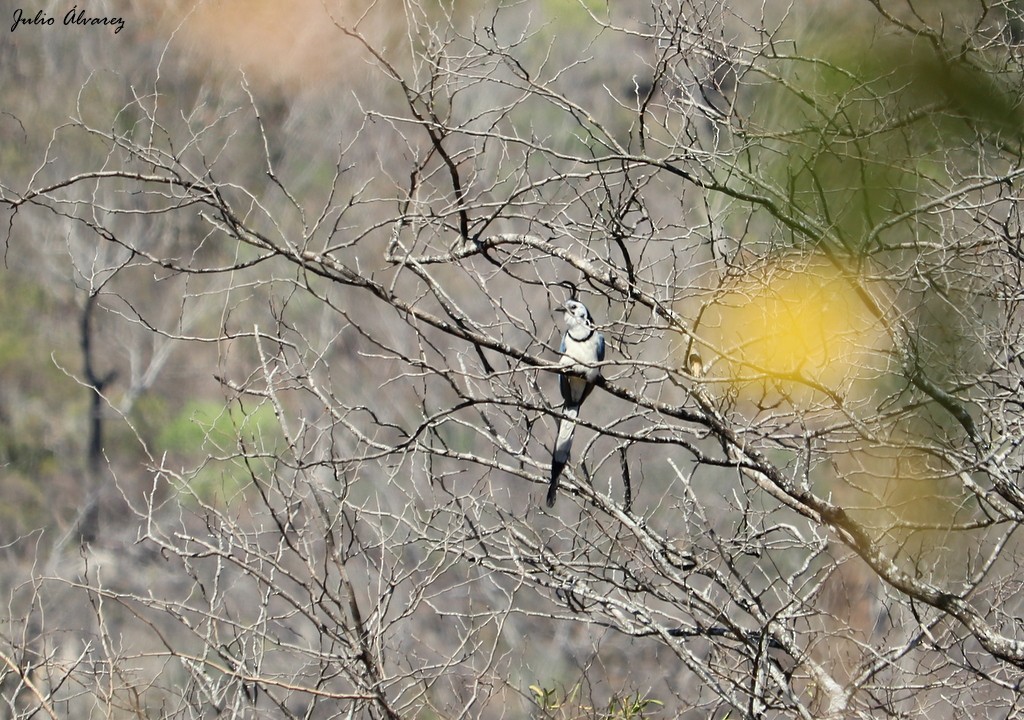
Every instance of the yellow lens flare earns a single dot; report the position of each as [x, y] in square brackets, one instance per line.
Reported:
[796, 323]
[794, 335]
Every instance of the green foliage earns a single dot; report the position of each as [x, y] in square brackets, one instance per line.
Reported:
[855, 140]
[21, 305]
[632, 706]
[30, 459]
[570, 705]
[865, 129]
[200, 421]
[208, 435]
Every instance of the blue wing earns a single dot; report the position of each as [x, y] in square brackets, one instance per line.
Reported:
[600, 347]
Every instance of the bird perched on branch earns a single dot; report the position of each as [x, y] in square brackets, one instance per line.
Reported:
[582, 349]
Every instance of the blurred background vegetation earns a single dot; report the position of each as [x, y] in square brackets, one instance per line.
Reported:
[848, 122]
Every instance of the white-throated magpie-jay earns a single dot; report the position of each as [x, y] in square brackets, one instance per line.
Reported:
[582, 349]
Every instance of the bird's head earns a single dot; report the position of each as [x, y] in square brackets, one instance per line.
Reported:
[576, 313]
